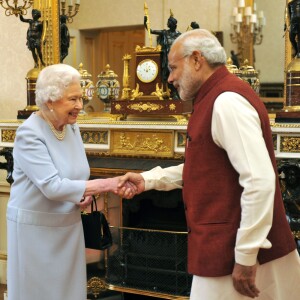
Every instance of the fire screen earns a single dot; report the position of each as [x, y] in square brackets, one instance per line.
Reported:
[149, 260]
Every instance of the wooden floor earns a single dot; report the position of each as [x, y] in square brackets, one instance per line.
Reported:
[2, 290]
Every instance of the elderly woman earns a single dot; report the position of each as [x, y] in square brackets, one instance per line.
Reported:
[46, 252]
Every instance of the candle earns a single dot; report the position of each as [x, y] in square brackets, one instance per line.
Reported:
[235, 11]
[238, 18]
[261, 14]
[241, 3]
[70, 2]
[254, 6]
[253, 18]
[77, 1]
[248, 11]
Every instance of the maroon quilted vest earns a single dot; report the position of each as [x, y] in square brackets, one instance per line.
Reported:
[211, 189]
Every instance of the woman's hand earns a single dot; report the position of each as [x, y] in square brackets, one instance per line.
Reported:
[98, 186]
[85, 202]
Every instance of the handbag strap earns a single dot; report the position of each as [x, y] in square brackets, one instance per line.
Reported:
[94, 202]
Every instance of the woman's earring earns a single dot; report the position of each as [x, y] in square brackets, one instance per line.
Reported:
[51, 109]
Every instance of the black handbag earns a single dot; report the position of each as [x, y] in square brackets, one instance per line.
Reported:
[96, 231]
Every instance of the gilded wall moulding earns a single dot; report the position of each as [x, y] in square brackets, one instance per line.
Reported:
[142, 143]
[285, 125]
[8, 135]
[290, 144]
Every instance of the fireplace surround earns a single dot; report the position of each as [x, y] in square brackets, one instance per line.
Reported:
[149, 254]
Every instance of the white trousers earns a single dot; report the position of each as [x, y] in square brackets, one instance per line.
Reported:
[276, 280]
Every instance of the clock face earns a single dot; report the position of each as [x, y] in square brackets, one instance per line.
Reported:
[147, 70]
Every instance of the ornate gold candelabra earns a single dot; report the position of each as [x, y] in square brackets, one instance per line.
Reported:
[247, 28]
[72, 11]
[12, 7]
[148, 24]
[126, 78]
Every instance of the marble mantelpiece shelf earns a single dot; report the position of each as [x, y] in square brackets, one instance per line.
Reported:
[131, 138]
[97, 134]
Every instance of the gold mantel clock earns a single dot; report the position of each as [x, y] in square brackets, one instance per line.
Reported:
[149, 95]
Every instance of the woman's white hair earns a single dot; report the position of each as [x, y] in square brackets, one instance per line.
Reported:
[53, 81]
[204, 41]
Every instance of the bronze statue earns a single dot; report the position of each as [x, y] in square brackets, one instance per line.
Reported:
[165, 38]
[290, 189]
[235, 59]
[34, 36]
[192, 26]
[9, 164]
[64, 38]
[293, 15]
[195, 25]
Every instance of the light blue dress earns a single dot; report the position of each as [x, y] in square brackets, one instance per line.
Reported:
[46, 253]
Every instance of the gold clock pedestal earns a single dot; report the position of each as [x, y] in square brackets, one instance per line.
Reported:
[291, 109]
[31, 107]
[177, 109]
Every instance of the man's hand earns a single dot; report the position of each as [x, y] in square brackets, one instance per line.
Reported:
[128, 180]
[244, 280]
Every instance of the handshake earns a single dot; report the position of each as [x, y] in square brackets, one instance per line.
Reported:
[129, 185]
[126, 186]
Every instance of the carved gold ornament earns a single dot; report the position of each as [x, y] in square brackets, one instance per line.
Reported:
[96, 285]
[142, 143]
[118, 107]
[8, 135]
[141, 107]
[290, 144]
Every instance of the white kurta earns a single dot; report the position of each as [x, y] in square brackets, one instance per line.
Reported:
[46, 252]
[236, 128]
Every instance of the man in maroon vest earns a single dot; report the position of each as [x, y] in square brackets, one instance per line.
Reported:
[239, 242]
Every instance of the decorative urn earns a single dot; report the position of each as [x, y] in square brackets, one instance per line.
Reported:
[87, 86]
[108, 87]
[233, 68]
[250, 75]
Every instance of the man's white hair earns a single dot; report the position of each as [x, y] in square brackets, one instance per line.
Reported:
[205, 42]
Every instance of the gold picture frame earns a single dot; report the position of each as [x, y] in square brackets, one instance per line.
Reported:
[288, 50]
[50, 13]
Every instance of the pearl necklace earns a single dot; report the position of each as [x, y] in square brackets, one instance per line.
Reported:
[60, 135]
